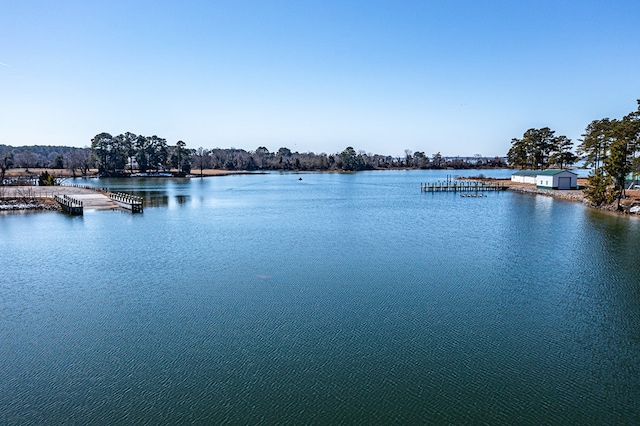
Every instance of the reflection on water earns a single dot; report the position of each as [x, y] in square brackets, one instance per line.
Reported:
[336, 299]
[153, 198]
[182, 199]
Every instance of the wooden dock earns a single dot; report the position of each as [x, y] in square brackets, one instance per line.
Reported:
[462, 186]
[69, 204]
[128, 201]
[91, 198]
[117, 199]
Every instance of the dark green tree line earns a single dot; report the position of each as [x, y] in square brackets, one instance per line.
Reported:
[610, 146]
[541, 149]
[116, 154]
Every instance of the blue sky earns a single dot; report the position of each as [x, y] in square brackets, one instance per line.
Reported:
[450, 76]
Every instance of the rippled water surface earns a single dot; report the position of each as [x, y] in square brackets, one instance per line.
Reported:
[338, 298]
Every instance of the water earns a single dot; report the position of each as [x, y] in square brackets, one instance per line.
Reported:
[340, 298]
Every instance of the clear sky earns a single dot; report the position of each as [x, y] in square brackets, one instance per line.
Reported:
[460, 77]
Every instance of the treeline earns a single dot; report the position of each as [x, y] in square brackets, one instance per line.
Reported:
[116, 154]
[347, 160]
[78, 160]
[43, 156]
[610, 147]
[127, 152]
[541, 149]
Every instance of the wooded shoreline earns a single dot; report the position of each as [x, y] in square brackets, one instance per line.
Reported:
[40, 198]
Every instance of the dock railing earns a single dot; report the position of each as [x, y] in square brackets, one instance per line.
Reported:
[462, 186]
[131, 202]
[69, 204]
[93, 188]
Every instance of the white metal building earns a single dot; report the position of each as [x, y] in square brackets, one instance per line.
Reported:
[556, 179]
[525, 176]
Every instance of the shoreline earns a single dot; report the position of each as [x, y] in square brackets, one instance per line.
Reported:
[40, 198]
[527, 188]
[577, 195]
[568, 195]
[30, 204]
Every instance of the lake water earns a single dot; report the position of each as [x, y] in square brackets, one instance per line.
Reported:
[339, 298]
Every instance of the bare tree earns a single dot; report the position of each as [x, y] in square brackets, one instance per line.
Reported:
[202, 158]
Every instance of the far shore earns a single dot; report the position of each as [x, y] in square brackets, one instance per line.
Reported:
[16, 198]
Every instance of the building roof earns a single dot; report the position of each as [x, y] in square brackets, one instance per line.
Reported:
[552, 172]
[527, 173]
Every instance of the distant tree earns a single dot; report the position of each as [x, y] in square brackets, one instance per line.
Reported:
[284, 152]
[518, 155]
[180, 157]
[216, 158]
[110, 152]
[497, 162]
[27, 160]
[77, 160]
[128, 142]
[632, 134]
[85, 160]
[6, 161]
[46, 179]
[151, 152]
[350, 160]
[420, 160]
[262, 157]
[596, 142]
[159, 153]
[202, 159]
[321, 162]
[102, 146]
[143, 148]
[595, 146]
[598, 190]
[436, 159]
[610, 146]
[408, 158]
[58, 162]
[331, 161]
[563, 155]
[617, 167]
[541, 143]
[619, 162]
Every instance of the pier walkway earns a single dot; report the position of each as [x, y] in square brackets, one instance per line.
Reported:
[92, 199]
[463, 186]
[97, 201]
